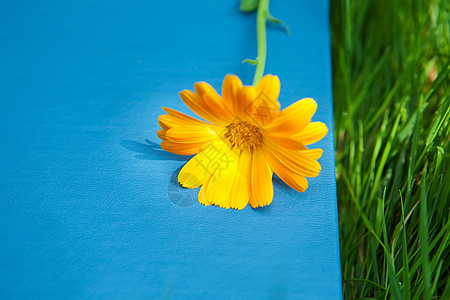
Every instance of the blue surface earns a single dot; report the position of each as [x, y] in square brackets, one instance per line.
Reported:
[90, 209]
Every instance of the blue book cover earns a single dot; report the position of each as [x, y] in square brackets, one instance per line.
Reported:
[91, 205]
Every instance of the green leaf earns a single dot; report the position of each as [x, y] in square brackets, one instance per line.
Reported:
[248, 5]
[250, 61]
[270, 18]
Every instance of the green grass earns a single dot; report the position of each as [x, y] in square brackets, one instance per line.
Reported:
[391, 82]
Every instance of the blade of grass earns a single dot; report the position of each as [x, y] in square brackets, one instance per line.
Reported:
[423, 229]
[405, 269]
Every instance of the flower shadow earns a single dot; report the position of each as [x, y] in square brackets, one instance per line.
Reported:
[151, 151]
[280, 188]
[183, 197]
[178, 195]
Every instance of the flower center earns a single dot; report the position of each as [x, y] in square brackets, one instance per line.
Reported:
[243, 135]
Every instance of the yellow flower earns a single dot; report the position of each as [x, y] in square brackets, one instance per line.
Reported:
[244, 140]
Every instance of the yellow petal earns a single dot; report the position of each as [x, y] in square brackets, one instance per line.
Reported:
[240, 190]
[243, 103]
[202, 193]
[170, 121]
[202, 166]
[312, 133]
[198, 106]
[231, 87]
[294, 160]
[286, 142]
[213, 102]
[269, 85]
[161, 134]
[294, 180]
[163, 126]
[265, 107]
[293, 119]
[313, 153]
[219, 189]
[183, 148]
[238, 98]
[182, 119]
[261, 180]
[193, 134]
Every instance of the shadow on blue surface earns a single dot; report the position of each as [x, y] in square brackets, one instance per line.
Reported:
[178, 195]
[284, 187]
[151, 151]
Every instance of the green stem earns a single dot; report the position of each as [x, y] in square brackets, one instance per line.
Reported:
[263, 9]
